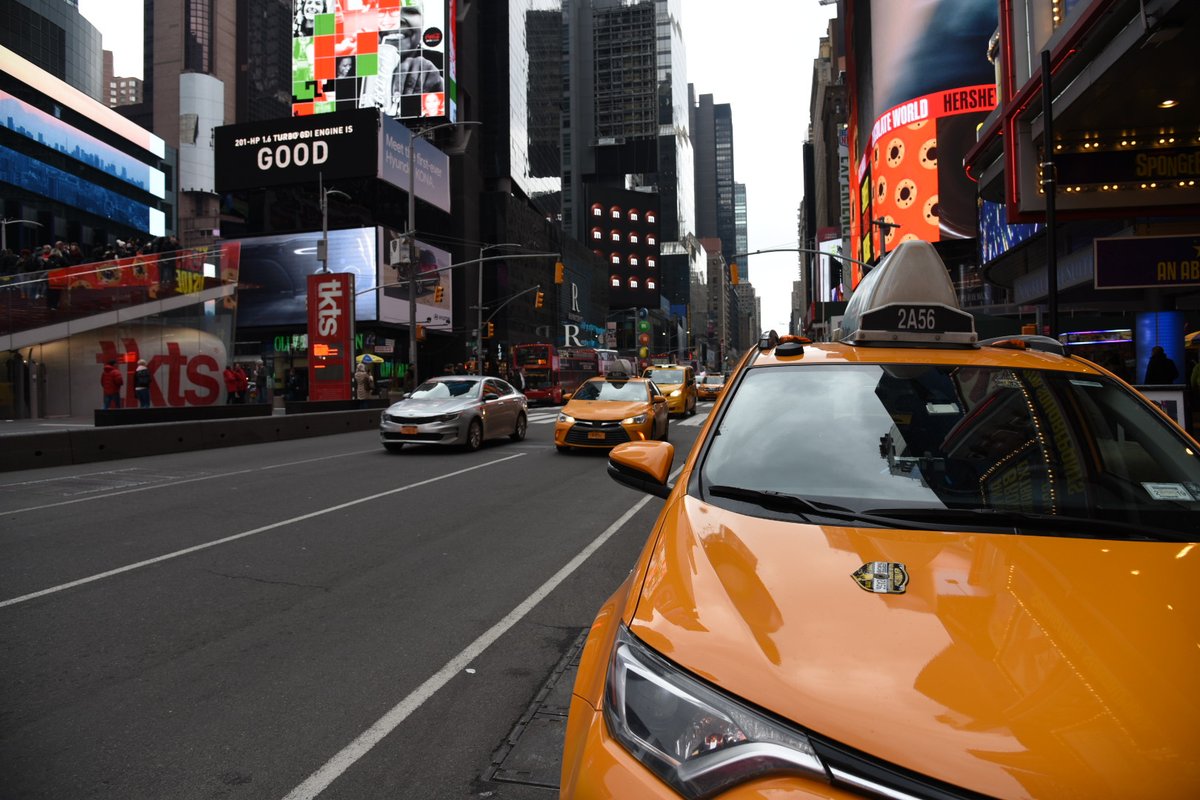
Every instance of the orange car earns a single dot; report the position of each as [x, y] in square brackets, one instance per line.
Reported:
[604, 412]
[709, 387]
[957, 569]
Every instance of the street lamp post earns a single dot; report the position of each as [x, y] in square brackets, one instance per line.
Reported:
[4, 223]
[479, 303]
[323, 247]
[412, 238]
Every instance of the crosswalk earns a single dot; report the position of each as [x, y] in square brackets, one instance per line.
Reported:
[546, 416]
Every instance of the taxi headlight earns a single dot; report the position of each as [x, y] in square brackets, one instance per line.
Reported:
[696, 739]
[676, 393]
[564, 418]
[638, 420]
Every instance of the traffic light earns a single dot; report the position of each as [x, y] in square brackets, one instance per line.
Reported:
[539, 299]
[420, 333]
[558, 271]
[439, 291]
[733, 274]
[489, 330]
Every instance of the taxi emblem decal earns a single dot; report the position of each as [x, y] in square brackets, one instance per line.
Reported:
[882, 577]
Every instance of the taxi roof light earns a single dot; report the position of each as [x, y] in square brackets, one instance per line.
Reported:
[907, 299]
[1027, 341]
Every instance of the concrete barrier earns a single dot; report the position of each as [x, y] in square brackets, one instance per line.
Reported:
[88, 445]
[143, 416]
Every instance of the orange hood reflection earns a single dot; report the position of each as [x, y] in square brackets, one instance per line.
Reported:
[1014, 666]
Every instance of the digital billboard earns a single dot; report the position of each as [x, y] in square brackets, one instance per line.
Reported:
[395, 55]
[923, 82]
[433, 306]
[272, 285]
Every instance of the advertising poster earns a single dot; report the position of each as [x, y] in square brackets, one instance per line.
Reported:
[433, 305]
[386, 54]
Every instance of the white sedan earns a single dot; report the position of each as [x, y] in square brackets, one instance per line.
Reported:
[463, 410]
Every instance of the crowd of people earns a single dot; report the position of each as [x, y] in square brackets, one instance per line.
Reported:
[59, 254]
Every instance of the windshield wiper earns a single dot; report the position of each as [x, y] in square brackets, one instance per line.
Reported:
[800, 506]
[1030, 522]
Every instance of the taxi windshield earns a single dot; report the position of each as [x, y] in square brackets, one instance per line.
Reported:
[665, 376]
[713, 380]
[628, 391]
[978, 445]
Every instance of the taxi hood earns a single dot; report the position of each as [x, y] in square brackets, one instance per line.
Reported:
[1013, 666]
[605, 409]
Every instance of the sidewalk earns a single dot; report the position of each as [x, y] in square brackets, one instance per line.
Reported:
[13, 427]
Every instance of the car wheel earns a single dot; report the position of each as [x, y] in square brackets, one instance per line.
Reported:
[474, 435]
[519, 430]
[692, 411]
[562, 448]
[666, 430]
[394, 447]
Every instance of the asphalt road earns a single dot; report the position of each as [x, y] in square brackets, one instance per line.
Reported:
[309, 618]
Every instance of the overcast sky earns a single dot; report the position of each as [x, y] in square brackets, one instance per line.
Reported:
[756, 55]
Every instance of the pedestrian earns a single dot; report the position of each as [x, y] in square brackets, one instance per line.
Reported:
[260, 381]
[292, 387]
[111, 383]
[364, 385]
[243, 382]
[141, 383]
[519, 380]
[1160, 370]
[231, 384]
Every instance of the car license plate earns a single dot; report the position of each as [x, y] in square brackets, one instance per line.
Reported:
[595, 434]
[408, 429]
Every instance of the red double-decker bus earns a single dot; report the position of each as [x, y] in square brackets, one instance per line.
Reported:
[551, 372]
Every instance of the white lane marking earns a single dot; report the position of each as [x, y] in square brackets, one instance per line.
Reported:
[362, 744]
[148, 487]
[197, 548]
[695, 421]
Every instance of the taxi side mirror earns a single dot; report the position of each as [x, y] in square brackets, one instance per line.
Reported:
[644, 466]
[658, 398]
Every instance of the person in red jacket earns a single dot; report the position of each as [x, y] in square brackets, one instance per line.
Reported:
[231, 384]
[111, 383]
[243, 382]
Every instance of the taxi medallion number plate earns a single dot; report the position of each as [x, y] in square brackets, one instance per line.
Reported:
[595, 434]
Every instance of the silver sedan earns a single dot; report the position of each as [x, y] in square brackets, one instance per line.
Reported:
[460, 410]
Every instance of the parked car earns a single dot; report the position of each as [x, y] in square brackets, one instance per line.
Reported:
[462, 410]
[906, 564]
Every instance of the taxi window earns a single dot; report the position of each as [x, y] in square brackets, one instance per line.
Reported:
[629, 391]
[667, 376]
[901, 437]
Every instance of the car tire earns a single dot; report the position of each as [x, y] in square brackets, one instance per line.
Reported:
[562, 448]
[666, 431]
[394, 447]
[474, 436]
[692, 411]
[519, 429]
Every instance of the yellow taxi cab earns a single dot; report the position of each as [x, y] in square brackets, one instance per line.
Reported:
[709, 387]
[957, 569]
[678, 384]
[611, 410]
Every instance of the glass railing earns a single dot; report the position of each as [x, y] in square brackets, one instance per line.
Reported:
[42, 298]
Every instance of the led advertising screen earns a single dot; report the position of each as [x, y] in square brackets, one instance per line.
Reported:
[273, 288]
[394, 55]
[32, 123]
[924, 84]
[434, 299]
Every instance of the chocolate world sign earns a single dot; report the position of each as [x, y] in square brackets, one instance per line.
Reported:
[1147, 261]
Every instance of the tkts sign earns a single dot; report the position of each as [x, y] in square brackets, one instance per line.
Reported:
[330, 335]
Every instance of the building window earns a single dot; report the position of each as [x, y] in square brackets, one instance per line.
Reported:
[198, 38]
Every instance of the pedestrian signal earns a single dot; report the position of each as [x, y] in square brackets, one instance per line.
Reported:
[558, 272]
[539, 299]
[439, 291]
